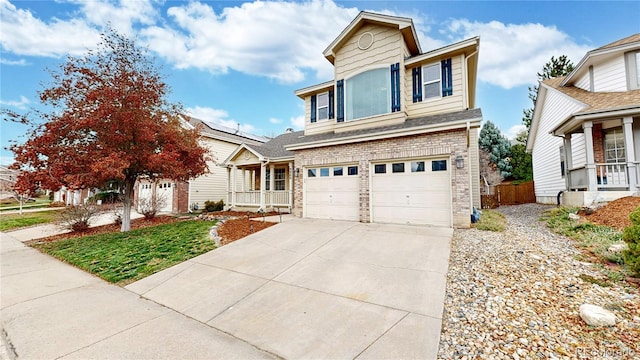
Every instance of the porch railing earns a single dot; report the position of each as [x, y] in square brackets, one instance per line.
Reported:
[252, 198]
[612, 175]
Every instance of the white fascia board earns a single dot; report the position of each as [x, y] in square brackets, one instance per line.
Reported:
[460, 124]
[443, 51]
[241, 147]
[301, 93]
[535, 118]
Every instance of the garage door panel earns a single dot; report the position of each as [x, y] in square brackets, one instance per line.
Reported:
[332, 197]
[422, 197]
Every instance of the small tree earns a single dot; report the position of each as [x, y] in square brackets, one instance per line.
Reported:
[520, 159]
[498, 147]
[109, 121]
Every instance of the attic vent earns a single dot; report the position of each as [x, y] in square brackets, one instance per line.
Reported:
[365, 41]
[288, 130]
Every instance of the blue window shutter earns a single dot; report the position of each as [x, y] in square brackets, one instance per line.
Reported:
[340, 101]
[330, 104]
[417, 84]
[447, 82]
[313, 108]
[395, 87]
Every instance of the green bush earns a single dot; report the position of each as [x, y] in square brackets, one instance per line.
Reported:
[107, 197]
[211, 206]
[631, 236]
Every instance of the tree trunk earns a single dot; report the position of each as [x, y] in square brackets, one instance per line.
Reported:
[127, 201]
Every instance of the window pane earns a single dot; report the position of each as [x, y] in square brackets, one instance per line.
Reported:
[352, 170]
[311, 173]
[323, 99]
[417, 166]
[323, 113]
[439, 165]
[337, 171]
[614, 146]
[431, 73]
[397, 168]
[381, 168]
[432, 90]
[368, 94]
[324, 172]
[280, 174]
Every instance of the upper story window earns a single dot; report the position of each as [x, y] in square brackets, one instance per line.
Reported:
[633, 70]
[431, 81]
[368, 94]
[323, 106]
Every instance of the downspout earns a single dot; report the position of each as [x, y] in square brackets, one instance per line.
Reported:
[470, 172]
[189, 210]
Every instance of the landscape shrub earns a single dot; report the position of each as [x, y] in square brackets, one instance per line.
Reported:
[107, 197]
[149, 208]
[78, 217]
[631, 236]
[211, 206]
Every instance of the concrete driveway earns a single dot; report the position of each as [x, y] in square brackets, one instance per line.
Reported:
[318, 289]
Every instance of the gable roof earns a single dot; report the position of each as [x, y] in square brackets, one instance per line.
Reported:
[601, 54]
[220, 132]
[405, 25]
[275, 148]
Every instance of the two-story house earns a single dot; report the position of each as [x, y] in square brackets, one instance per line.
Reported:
[392, 138]
[585, 131]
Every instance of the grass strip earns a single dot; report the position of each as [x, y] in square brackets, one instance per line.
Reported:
[15, 221]
[491, 220]
[123, 258]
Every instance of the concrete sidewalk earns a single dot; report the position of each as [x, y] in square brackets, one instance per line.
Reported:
[51, 310]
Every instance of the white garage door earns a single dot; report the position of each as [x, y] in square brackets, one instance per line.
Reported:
[332, 193]
[145, 191]
[412, 192]
[164, 194]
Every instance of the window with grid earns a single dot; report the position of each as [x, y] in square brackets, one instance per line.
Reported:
[614, 151]
[279, 179]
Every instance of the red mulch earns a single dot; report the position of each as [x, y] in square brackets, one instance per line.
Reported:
[236, 229]
[616, 213]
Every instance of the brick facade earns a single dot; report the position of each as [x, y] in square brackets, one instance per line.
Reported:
[598, 143]
[438, 144]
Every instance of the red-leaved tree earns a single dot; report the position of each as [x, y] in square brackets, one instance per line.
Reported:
[109, 119]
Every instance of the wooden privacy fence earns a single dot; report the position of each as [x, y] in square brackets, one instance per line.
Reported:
[510, 194]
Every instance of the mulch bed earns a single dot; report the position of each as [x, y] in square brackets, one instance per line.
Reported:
[616, 213]
[236, 229]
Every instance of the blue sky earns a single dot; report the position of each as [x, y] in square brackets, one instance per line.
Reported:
[236, 62]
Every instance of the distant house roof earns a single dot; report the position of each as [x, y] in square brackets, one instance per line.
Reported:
[214, 130]
[275, 148]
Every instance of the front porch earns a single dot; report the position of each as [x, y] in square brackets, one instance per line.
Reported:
[260, 187]
[601, 160]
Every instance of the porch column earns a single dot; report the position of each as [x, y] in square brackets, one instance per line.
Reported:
[234, 184]
[252, 180]
[263, 181]
[629, 147]
[272, 177]
[591, 165]
[291, 174]
[244, 180]
[568, 159]
[229, 200]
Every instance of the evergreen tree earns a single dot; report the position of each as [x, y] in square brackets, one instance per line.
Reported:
[498, 147]
[520, 159]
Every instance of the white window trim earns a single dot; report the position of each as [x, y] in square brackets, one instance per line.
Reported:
[439, 81]
[633, 76]
[318, 107]
[346, 97]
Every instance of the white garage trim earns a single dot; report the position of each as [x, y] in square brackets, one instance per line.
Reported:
[332, 192]
[411, 191]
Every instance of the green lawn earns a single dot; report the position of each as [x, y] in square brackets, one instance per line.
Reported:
[123, 258]
[12, 204]
[16, 221]
[491, 220]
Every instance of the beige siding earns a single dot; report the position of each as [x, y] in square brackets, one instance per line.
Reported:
[546, 148]
[447, 104]
[387, 49]
[212, 186]
[474, 159]
[610, 76]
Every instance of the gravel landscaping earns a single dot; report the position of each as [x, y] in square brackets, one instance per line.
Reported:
[516, 295]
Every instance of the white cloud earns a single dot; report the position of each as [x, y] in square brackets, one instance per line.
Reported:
[275, 121]
[297, 122]
[20, 104]
[279, 40]
[121, 15]
[514, 131]
[21, 62]
[219, 117]
[512, 54]
[24, 34]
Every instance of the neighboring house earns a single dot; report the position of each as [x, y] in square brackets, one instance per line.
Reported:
[393, 138]
[73, 197]
[585, 132]
[180, 197]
